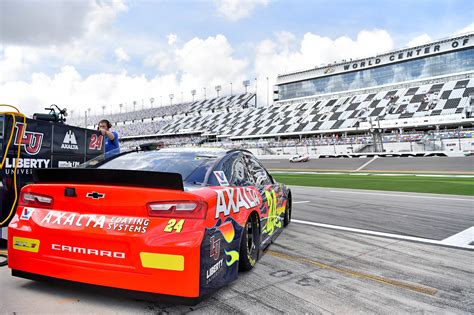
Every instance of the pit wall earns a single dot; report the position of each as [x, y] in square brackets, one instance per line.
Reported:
[449, 147]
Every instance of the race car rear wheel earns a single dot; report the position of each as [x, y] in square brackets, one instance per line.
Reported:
[250, 244]
[287, 217]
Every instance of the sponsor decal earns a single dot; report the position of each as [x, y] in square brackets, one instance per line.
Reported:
[215, 249]
[26, 244]
[328, 70]
[26, 213]
[68, 164]
[221, 178]
[233, 257]
[234, 199]
[95, 195]
[408, 54]
[69, 142]
[95, 142]
[87, 251]
[212, 272]
[227, 230]
[273, 219]
[118, 224]
[31, 141]
[27, 163]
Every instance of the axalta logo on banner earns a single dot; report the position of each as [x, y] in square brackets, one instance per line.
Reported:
[233, 199]
[32, 141]
[69, 142]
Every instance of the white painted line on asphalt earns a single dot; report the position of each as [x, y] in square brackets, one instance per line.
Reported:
[371, 174]
[399, 195]
[305, 201]
[462, 238]
[364, 165]
[388, 235]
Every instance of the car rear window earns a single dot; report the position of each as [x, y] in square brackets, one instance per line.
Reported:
[192, 167]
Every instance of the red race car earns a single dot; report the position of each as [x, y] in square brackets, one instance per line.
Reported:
[179, 222]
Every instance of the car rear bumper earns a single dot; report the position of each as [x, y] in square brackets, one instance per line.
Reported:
[126, 293]
[168, 270]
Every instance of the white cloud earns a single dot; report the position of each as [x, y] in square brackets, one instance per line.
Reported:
[162, 61]
[196, 64]
[39, 34]
[235, 10]
[172, 38]
[468, 29]
[43, 23]
[419, 40]
[281, 56]
[121, 55]
[209, 61]
[14, 62]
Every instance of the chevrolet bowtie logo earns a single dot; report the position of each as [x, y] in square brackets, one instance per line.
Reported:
[95, 195]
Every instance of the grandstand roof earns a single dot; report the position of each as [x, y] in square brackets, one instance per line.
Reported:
[433, 48]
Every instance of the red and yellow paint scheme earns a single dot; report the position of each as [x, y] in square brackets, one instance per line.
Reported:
[180, 239]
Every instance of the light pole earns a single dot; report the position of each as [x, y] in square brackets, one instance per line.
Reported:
[171, 99]
[230, 88]
[181, 97]
[204, 93]
[267, 92]
[143, 105]
[161, 100]
[218, 88]
[246, 84]
[72, 112]
[103, 110]
[89, 112]
[134, 105]
[151, 101]
[120, 105]
[256, 102]
[193, 92]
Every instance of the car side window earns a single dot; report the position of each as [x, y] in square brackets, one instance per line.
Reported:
[240, 174]
[257, 172]
[226, 166]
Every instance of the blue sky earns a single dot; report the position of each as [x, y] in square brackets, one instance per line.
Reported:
[110, 51]
[404, 19]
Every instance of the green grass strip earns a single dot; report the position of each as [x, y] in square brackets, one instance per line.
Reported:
[435, 185]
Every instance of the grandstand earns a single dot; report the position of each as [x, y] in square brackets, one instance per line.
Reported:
[420, 90]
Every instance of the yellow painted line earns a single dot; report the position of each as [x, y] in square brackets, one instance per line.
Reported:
[162, 261]
[356, 274]
[67, 300]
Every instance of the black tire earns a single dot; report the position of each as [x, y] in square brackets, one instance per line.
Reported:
[287, 217]
[3, 262]
[250, 244]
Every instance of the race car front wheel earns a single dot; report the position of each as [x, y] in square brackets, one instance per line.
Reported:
[250, 244]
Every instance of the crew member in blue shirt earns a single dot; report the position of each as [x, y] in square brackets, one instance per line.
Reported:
[111, 137]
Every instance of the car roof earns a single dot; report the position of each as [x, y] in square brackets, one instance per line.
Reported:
[195, 150]
[202, 150]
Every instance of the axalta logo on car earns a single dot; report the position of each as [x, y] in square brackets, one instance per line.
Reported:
[233, 199]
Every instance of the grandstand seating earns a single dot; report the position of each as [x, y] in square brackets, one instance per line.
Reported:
[124, 120]
[234, 116]
[337, 114]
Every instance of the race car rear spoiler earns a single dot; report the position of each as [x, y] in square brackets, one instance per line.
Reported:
[96, 176]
